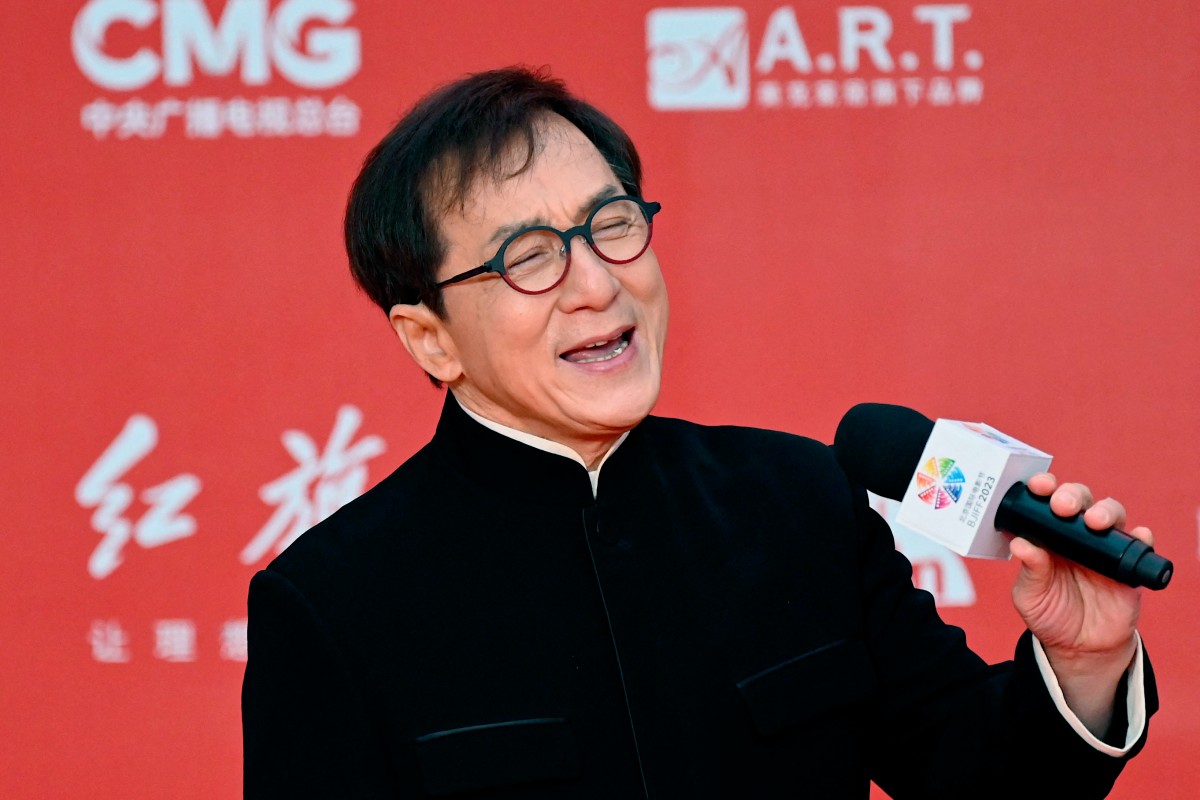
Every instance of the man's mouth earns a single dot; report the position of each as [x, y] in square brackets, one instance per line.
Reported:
[599, 351]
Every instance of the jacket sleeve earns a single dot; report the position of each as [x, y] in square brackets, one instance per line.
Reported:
[948, 725]
[305, 727]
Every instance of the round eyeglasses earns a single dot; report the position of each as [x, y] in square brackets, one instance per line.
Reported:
[535, 260]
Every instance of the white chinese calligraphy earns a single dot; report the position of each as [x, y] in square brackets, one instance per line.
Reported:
[233, 640]
[321, 483]
[109, 641]
[101, 489]
[175, 640]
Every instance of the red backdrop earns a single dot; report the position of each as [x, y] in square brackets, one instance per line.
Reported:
[986, 210]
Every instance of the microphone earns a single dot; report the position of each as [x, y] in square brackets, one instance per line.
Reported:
[962, 484]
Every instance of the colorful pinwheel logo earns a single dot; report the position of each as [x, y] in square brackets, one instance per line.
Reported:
[940, 482]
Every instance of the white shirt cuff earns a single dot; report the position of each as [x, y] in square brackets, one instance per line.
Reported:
[1135, 701]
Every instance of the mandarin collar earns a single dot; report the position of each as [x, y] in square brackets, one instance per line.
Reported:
[502, 466]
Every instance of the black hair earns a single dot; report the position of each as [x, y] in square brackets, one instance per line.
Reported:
[429, 160]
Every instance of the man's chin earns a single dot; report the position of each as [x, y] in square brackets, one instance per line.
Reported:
[624, 414]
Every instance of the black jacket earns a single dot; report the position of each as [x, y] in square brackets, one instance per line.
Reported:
[726, 619]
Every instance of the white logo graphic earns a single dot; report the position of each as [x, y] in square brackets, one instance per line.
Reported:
[247, 35]
[333, 477]
[700, 58]
[101, 489]
[306, 42]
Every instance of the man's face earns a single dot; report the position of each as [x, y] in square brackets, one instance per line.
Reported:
[581, 363]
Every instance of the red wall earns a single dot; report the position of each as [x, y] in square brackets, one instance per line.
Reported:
[991, 216]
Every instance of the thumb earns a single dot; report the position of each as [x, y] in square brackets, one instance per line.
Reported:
[1036, 563]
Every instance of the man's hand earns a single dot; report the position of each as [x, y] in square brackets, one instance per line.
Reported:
[1085, 622]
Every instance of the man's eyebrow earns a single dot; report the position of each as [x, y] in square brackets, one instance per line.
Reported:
[504, 231]
[608, 191]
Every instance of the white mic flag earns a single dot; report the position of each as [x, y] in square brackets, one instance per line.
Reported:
[964, 471]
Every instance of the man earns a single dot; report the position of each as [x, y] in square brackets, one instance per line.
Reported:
[563, 596]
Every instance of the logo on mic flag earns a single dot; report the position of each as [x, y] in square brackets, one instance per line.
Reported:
[940, 482]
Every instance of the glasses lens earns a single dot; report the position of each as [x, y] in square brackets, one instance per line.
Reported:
[620, 231]
[535, 260]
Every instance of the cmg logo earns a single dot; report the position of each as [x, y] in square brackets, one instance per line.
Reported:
[306, 41]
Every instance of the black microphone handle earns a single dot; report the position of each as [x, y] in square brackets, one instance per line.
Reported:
[1112, 552]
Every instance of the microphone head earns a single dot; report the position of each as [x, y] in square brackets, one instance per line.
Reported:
[879, 446]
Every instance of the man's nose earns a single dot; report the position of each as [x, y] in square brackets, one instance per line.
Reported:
[590, 279]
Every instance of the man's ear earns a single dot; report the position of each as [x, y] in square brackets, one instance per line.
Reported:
[427, 340]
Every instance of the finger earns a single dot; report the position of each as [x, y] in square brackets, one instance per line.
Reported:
[1143, 533]
[1043, 484]
[1105, 514]
[1070, 498]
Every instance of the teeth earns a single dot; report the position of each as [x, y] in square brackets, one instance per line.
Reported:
[620, 349]
[599, 344]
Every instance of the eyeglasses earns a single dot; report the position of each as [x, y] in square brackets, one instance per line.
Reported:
[535, 260]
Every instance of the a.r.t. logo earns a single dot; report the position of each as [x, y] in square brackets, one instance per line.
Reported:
[698, 58]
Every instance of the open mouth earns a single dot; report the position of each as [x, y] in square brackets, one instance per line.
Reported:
[599, 351]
